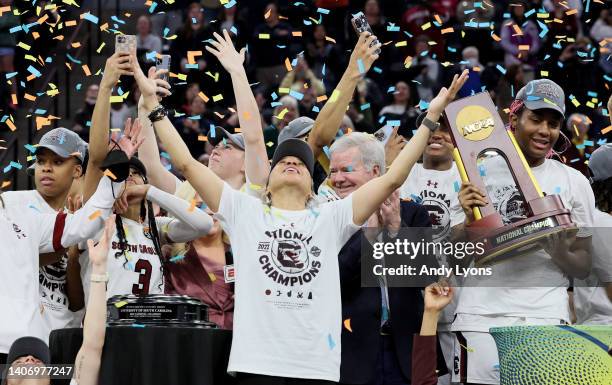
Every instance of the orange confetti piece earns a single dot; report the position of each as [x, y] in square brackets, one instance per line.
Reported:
[267, 14]
[41, 121]
[70, 23]
[29, 97]
[14, 98]
[523, 47]
[86, 70]
[43, 19]
[202, 138]
[6, 183]
[606, 130]
[237, 130]
[5, 9]
[330, 39]
[95, 214]
[517, 29]
[288, 65]
[296, 33]
[571, 12]
[321, 98]
[495, 37]
[110, 174]
[11, 125]
[104, 27]
[191, 56]
[347, 324]
[35, 35]
[76, 44]
[204, 97]
[437, 17]
[192, 205]
[447, 30]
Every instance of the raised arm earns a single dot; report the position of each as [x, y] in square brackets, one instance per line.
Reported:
[329, 119]
[87, 363]
[116, 65]
[369, 197]
[204, 181]
[256, 157]
[148, 153]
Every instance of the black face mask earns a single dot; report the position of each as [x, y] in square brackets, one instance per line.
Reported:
[118, 163]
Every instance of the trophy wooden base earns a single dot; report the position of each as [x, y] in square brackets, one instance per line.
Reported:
[519, 238]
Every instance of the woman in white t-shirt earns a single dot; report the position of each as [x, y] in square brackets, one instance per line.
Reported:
[287, 314]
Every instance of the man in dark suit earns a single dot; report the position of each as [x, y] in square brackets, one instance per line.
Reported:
[379, 322]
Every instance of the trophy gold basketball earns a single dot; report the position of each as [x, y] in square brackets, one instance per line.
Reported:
[477, 129]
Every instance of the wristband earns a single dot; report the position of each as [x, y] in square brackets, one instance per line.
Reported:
[157, 114]
[99, 277]
[430, 124]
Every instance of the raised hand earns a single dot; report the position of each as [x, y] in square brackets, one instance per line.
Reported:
[471, 196]
[148, 85]
[394, 146]
[98, 253]
[131, 139]
[437, 296]
[225, 51]
[163, 87]
[131, 194]
[445, 96]
[120, 63]
[365, 53]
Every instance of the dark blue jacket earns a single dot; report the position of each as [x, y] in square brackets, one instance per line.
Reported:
[363, 306]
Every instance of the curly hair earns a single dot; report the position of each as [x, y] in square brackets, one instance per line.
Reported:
[603, 194]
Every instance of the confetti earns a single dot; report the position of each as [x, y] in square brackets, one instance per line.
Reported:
[360, 66]
[120, 304]
[176, 258]
[330, 342]
[347, 325]
[288, 65]
[218, 97]
[204, 97]
[264, 36]
[94, 215]
[212, 277]
[138, 326]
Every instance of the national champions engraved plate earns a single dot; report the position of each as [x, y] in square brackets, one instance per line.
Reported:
[478, 131]
[157, 310]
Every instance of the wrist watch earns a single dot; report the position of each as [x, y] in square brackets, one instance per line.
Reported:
[99, 277]
[157, 114]
[430, 124]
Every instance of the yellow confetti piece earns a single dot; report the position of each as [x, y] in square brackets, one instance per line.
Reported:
[590, 104]
[116, 99]
[426, 26]
[212, 277]
[266, 209]
[100, 47]
[402, 43]
[218, 97]
[334, 96]
[282, 113]
[466, 348]
[182, 76]
[86, 70]
[191, 56]
[203, 96]
[255, 187]
[283, 90]
[264, 36]
[321, 98]
[330, 39]
[120, 304]
[23, 45]
[246, 115]
[347, 325]
[542, 15]
[447, 30]
[297, 33]
[110, 174]
[543, 73]
[53, 92]
[288, 65]
[95, 214]
[30, 57]
[270, 144]
[202, 138]
[575, 102]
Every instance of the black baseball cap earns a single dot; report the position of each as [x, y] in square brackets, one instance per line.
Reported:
[294, 147]
[27, 346]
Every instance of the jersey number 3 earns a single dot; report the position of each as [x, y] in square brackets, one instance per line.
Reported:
[144, 268]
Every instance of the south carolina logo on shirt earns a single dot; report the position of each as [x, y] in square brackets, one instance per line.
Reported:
[288, 258]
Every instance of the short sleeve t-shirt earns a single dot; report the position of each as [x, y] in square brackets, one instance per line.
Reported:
[484, 295]
[287, 314]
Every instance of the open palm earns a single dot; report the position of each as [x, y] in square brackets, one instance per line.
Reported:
[130, 140]
[225, 51]
[98, 253]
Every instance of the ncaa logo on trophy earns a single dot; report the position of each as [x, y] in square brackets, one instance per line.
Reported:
[482, 144]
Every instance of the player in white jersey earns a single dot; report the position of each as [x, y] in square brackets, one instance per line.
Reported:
[23, 235]
[59, 162]
[135, 259]
[509, 297]
[435, 184]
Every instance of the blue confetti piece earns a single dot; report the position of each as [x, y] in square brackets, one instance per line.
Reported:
[89, 17]
[601, 142]
[382, 119]
[390, 89]
[423, 105]
[533, 97]
[307, 22]
[274, 96]
[117, 20]
[592, 94]
[326, 151]
[482, 170]
[544, 29]
[230, 4]
[150, 56]
[33, 71]
[297, 95]
[360, 66]
[194, 117]
[408, 34]
[315, 109]
[416, 198]
[138, 326]
[78, 86]
[166, 31]
[530, 12]
[7, 168]
[457, 186]
[177, 258]
[192, 66]
[330, 342]
[275, 104]
[394, 123]
[16, 165]
[364, 106]
[557, 190]
[30, 148]
[468, 11]
[501, 69]
[323, 70]
[588, 143]
[10, 75]
[165, 155]
[349, 168]
[40, 111]
[377, 70]
[15, 29]
[152, 7]
[234, 30]
[451, 49]
[323, 11]
[392, 28]
[120, 91]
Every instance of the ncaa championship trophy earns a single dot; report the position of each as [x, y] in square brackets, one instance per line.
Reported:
[477, 129]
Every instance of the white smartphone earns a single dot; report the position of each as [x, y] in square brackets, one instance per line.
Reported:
[163, 63]
[125, 43]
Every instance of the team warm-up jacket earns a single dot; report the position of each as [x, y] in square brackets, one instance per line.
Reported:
[24, 233]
